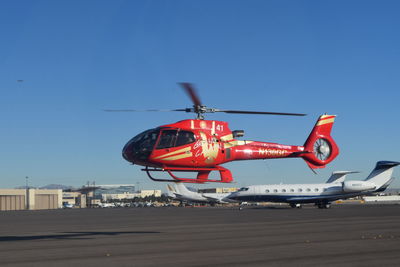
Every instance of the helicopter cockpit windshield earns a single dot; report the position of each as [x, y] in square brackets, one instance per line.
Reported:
[140, 147]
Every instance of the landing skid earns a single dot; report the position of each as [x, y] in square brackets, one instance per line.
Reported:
[202, 174]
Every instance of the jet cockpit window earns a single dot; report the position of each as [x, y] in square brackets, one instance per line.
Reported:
[243, 189]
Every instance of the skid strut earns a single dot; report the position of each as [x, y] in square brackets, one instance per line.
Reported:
[202, 174]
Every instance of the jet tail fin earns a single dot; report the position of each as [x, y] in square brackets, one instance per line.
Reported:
[180, 188]
[381, 175]
[170, 191]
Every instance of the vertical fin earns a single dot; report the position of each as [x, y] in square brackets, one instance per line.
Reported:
[320, 147]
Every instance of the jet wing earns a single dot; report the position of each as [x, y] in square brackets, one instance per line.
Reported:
[220, 199]
[212, 199]
[339, 176]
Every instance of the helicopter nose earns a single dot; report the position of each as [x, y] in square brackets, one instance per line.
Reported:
[127, 153]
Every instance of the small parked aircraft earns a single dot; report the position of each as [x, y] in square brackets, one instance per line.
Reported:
[180, 192]
[321, 194]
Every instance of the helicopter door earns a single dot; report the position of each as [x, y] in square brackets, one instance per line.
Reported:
[167, 139]
[175, 138]
[184, 138]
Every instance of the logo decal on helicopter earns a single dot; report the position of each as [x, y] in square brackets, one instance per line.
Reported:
[209, 147]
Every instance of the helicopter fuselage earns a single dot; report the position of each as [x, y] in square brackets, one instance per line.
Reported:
[201, 146]
[199, 143]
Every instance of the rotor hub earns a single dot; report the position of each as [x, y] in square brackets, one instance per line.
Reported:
[322, 149]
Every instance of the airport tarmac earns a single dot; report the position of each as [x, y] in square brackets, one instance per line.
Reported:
[345, 235]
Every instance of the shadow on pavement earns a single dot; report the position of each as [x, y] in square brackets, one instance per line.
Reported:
[71, 235]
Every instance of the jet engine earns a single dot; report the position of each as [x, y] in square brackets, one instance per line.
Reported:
[357, 186]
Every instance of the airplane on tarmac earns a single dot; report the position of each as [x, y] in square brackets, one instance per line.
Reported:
[180, 192]
[321, 194]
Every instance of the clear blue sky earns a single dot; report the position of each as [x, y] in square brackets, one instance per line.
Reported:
[79, 57]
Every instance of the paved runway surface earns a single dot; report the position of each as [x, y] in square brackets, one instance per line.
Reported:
[345, 235]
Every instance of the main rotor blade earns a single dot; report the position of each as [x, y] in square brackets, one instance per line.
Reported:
[144, 110]
[189, 88]
[260, 112]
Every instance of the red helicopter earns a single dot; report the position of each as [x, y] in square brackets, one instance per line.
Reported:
[201, 146]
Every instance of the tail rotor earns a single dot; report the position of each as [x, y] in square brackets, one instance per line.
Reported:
[320, 148]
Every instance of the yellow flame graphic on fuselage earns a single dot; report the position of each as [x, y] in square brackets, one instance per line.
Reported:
[209, 148]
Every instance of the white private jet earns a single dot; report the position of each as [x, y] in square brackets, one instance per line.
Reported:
[321, 194]
[180, 192]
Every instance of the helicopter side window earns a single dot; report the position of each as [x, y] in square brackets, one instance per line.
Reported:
[184, 138]
[167, 139]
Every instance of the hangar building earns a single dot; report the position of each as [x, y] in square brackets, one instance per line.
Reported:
[30, 199]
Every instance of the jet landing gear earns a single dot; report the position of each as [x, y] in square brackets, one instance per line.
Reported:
[323, 205]
[295, 205]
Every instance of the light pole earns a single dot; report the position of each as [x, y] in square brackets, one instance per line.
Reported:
[137, 185]
[26, 193]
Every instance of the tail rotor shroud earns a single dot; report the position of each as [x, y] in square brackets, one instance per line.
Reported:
[320, 148]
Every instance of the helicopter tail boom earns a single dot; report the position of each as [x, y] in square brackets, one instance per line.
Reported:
[320, 148]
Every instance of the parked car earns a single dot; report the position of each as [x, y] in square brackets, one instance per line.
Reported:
[67, 206]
